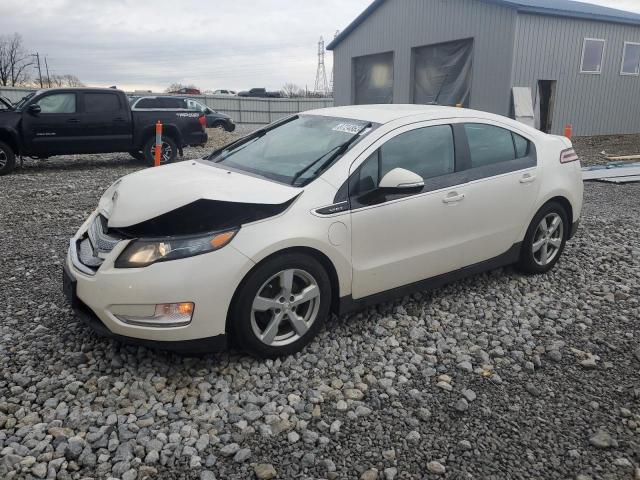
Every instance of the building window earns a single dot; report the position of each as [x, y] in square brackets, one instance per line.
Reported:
[373, 79]
[592, 55]
[631, 59]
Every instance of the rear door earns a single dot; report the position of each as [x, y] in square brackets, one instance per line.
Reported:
[106, 121]
[56, 128]
[502, 187]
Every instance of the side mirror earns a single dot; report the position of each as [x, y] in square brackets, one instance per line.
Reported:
[401, 179]
[208, 111]
[34, 109]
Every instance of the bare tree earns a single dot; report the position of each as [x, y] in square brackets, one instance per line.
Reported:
[177, 86]
[14, 61]
[66, 80]
[292, 90]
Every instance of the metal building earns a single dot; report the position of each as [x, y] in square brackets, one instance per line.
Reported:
[580, 62]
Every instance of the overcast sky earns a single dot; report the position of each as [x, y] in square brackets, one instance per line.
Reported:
[137, 44]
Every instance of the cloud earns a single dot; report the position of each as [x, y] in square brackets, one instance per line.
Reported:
[143, 44]
[221, 44]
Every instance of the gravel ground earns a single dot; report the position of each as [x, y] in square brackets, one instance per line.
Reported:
[591, 148]
[497, 376]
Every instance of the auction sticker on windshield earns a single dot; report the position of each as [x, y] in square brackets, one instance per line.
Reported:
[352, 128]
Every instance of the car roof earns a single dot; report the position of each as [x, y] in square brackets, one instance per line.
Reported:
[389, 112]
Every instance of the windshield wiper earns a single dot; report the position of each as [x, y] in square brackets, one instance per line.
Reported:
[339, 150]
[257, 134]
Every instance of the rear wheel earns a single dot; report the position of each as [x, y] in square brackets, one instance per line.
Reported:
[7, 159]
[545, 239]
[169, 151]
[281, 306]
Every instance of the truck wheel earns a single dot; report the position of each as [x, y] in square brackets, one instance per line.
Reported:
[7, 159]
[169, 151]
[137, 154]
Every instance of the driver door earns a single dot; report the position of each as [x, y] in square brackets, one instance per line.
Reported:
[402, 237]
[56, 128]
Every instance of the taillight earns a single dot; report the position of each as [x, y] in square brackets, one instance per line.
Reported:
[568, 155]
[203, 122]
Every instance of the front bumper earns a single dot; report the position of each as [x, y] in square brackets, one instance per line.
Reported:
[88, 317]
[209, 281]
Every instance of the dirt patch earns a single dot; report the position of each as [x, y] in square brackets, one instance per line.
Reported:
[590, 149]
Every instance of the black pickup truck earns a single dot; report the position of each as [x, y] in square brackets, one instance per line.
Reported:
[65, 121]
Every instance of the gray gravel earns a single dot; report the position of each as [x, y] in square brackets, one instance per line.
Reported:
[497, 376]
[594, 150]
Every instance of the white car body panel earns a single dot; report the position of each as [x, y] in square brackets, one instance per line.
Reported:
[186, 182]
[370, 250]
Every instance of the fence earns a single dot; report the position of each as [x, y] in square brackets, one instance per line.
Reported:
[243, 110]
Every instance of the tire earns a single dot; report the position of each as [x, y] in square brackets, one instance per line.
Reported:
[168, 145]
[533, 259]
[220, 126]
[251, 317]
[7, 159]
[137, 154]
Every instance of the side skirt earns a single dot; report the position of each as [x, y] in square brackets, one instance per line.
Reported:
[348, 304]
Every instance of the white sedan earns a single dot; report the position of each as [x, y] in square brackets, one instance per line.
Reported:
[325, 211]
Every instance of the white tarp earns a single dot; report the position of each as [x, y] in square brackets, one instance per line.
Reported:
[442, 73]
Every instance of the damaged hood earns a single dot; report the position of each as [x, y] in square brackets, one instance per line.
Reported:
[195, 194]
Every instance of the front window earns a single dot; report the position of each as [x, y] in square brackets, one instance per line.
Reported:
[58, 103]
[294, 152]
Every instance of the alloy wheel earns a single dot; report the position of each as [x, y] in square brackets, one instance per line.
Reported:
[285, 307]
[4, 158]
[547, 240]
[165, 156]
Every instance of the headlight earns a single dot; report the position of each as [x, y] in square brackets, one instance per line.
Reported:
[140, 253]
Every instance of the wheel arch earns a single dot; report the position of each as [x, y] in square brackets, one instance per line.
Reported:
[322, 258]
[10, 138]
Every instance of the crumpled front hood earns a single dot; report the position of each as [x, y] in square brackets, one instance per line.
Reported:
[155, 192]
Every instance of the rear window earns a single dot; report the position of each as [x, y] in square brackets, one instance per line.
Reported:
[489, 144]
[166, 102]
[101, 102]
[148, 103]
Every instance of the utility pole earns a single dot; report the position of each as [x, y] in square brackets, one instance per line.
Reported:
[47, 68]
[321, 74]
[37, 55]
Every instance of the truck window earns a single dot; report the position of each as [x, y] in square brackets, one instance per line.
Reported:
[173, 103]
[101, 102]
[58, 103]
[148, 103]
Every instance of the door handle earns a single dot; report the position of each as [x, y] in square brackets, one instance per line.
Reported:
[527, 178]
[453, 197]
[73, 120]
[119, 119]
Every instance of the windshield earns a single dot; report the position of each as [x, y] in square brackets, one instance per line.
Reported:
[18, 106]
[293, 152]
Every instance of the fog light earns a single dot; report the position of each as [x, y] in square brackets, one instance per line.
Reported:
[165, 315]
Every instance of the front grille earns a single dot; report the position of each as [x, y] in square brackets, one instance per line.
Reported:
[96, 244]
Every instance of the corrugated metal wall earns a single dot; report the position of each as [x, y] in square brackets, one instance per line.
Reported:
[550, 48]
[243, 110]
[400, 25]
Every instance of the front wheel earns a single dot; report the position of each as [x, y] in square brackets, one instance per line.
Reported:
[169, 151]
[282, 305]
[7, 159]
[545, 239]
[137, 154]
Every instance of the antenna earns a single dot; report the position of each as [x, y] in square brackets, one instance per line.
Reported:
[321, 74]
